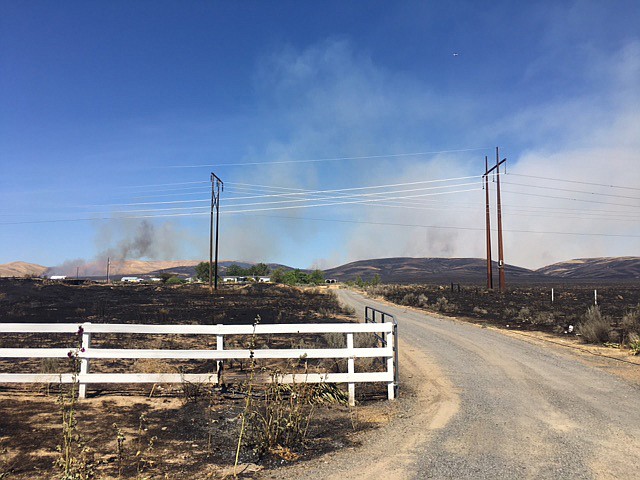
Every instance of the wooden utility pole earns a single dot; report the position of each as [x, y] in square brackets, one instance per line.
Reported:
[108, 265]
[501, 278]
[485, 179]
[501, 274]
[216, 186]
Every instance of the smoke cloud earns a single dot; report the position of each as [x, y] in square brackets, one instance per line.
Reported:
[126, 239]
[338, 101]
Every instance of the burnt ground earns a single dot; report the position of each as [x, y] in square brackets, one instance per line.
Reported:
[179, 431]
[523, 307]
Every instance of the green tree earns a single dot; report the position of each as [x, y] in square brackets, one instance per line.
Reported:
[234, 270]
[202, 271]
[259, 270]
[317, 277]
[175, 281]
[165, 276]
[278, 275]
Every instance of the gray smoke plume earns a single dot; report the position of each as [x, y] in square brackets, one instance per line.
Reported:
[139, 242]
[122, 240]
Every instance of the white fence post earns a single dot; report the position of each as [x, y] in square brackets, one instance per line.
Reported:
[84, 362]
[391, 361]
[351, 369]
[219, 346]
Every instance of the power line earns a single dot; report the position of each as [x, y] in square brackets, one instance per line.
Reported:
[574, 181]
[304, 192]
[336, 159]
[572, 199]
[571, 190]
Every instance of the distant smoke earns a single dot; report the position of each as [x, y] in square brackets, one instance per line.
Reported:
[123, 240]
[139, 242]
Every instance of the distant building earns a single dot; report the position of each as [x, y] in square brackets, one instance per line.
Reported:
[263, 279]
[131, 280]
[58, 277]
[234, 279]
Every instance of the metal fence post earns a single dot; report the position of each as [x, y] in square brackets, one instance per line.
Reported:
[84, 362]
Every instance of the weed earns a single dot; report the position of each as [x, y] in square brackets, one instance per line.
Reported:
[635, 347]
[247, 405]
[279, 418]
[75, 457]
[593, 327]
[140, 460]
[143, 448]
[192, 392]
[120, 451]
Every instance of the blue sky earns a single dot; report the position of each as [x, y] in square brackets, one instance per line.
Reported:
[113, 115]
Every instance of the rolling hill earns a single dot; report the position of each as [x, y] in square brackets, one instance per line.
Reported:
[415, 270]
[604, 268]
[391, 270]
[21, 269]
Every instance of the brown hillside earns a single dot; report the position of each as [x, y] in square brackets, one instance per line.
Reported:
[605, 268]
[21, 269]
[416, 270]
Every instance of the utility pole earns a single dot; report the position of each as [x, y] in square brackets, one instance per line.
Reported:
[217, 185]
[108, 265]
[485, 179]
[77, 273]
[501, 278]
[501, 275]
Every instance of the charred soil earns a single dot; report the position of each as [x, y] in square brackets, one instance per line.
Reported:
[163, 431]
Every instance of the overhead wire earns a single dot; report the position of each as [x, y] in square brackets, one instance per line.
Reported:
[334, 159]
[573, 181]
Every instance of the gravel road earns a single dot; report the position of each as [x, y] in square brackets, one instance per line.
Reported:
[476, 403]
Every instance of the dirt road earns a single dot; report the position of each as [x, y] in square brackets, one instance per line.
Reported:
[480, 404]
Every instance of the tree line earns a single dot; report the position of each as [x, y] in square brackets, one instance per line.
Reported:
[279, 275]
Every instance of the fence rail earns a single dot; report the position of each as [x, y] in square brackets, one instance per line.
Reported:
[85, 352]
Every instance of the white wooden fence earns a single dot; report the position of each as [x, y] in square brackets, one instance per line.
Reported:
[86, 352]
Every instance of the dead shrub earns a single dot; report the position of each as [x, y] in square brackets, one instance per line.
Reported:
[593, 327]
[543, 318]
[410, 299]
[630, 325]
[278, 418]
[443, 305]
[524, 315]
